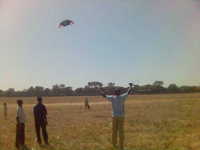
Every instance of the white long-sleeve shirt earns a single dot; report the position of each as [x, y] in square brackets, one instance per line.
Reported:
[21, 115]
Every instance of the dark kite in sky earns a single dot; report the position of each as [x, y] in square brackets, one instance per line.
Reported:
[65, 23]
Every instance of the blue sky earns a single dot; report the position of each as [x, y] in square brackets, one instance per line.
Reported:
[111, 40]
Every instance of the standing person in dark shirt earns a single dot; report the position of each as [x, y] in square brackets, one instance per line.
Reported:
[40, 115]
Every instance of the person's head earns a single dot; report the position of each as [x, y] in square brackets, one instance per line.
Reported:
[19, 102]
[39, 99]
[117, 92]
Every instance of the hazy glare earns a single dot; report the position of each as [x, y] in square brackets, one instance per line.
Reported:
[112, 40]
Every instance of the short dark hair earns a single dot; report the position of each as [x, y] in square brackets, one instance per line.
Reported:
[39, 98]
[19, 101]
[117, 91]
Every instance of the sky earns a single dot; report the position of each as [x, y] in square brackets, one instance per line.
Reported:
[111, 41]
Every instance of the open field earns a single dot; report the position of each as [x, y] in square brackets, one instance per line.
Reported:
[153, 122]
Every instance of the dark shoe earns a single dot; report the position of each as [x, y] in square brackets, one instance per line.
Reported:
[40, 143]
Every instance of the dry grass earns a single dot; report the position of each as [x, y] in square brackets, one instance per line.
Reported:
[153, 122]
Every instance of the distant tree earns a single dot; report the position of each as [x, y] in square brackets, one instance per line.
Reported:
[158, 87]
[62, 85]
[39, 91]
[188, 89]
[47, 92]
[1, 93]
[95, 84]
[111, 84]
[198, 88]
[55, 90]
[10, 92]
[68, 91]
[148, 88]
[92, 89]
[173, 88]
[31, 91]
[158, 84]
[79, 91]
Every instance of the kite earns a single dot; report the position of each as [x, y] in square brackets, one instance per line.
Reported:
[65, 23]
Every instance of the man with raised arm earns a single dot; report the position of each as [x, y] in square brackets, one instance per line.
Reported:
[117, 101]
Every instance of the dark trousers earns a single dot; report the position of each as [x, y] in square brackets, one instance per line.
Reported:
[87, 106]
[20, 135]
[38, 127]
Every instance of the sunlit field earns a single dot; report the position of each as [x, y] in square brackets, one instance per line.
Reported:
[153, 122]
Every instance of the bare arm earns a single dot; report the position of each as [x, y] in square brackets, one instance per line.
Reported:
[108, 97]
[125, 95]
[130, 88]
[102, 93]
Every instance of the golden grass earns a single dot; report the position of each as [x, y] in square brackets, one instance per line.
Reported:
[153, 122]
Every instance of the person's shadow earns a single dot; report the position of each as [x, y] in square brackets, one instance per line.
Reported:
[49, 147]
[25, 147]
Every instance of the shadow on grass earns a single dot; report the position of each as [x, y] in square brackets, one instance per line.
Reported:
[25, 147]
[48, 147]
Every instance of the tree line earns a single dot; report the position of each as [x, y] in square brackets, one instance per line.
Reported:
[92, 89]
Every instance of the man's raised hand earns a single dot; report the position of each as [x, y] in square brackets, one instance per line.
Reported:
[102, 92]
[131, 85]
